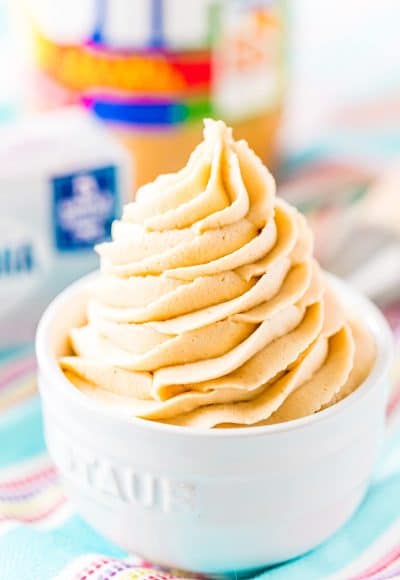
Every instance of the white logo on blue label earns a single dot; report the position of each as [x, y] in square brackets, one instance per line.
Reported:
[85, 205]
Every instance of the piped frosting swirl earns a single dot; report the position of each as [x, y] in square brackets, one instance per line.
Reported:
[210, 310]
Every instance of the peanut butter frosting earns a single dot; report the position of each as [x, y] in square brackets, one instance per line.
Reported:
[210, 310]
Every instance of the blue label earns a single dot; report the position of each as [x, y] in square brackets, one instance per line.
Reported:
[84, 207]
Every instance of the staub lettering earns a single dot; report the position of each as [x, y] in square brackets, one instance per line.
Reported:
[16, 260]
[127, 484]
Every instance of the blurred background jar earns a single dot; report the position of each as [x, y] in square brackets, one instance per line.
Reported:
[153, 69]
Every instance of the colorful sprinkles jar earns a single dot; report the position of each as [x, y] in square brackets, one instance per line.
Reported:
[153, 69]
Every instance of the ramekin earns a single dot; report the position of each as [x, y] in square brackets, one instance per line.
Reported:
[212, 501]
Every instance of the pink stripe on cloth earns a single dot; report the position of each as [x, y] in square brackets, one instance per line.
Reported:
[43, 474]
[380, 565]
[392, 571]
[394, 400]
[392, 314]
[16, 369]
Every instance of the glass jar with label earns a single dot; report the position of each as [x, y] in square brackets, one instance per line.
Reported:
[153, 69]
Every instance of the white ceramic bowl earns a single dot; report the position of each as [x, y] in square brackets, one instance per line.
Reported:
[212, 501]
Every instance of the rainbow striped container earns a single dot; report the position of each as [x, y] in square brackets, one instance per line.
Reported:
[153, 69]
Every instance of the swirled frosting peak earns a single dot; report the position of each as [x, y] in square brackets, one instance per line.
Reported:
[210, 310]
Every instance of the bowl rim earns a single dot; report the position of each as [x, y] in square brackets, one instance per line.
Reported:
[371, 315]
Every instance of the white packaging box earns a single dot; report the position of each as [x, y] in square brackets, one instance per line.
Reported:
[63, 180]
